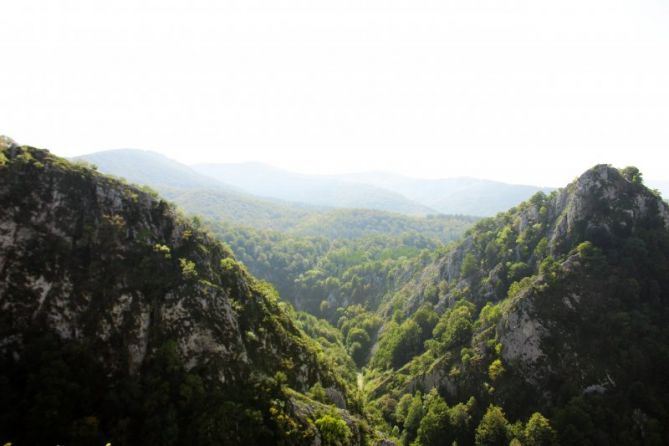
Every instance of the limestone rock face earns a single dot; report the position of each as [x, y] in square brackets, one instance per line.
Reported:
[96, 261]
[601, 200]
[521, 335]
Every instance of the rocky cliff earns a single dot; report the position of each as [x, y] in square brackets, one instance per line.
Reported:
[558, 305]
[90, 263]
[599, 205]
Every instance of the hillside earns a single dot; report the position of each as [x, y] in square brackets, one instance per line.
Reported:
[123, 322]
[200, 195]
[375, 190]
[463, 196]
[196, 193]
[555, 310]
[267, 181]
[147, 167]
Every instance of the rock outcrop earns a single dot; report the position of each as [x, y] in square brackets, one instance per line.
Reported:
[561, 297]
[114, 273]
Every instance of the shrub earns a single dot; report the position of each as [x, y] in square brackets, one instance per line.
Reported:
[334, 431]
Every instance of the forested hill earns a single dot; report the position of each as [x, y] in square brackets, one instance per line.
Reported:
[196, 193]
[216, 200]
[319, 190]
[555, 312]
[123, 322]
[375, 190]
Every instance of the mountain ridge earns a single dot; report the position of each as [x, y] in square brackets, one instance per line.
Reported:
[554, 306]
[268, 181]
[174, 342]
[219, 202]
[456, 195]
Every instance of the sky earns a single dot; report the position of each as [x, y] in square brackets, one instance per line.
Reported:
[523, 91]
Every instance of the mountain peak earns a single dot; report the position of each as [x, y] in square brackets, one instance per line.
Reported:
[605, 176]
[605, 200]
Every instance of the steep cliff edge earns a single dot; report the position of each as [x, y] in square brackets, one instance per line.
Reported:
[559, 305]
[122, 320]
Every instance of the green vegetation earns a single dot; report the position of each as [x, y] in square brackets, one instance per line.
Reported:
[493, 430]
[632, 174]
[151, 332]
[334, 431]
[544, 325]
[188, 269]
[587, 302]
[218, 201]
[320, 275]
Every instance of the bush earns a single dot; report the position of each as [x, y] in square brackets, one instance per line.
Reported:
[334, 430]
[632, 174]
[496, 369]
[188, 270]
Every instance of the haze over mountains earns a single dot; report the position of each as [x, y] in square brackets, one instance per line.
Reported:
[266, 181]
[273, 187]
[469, 196]
[220, 202]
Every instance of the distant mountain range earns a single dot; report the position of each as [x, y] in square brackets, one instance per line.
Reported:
[466, 196]
[220, 201]
[375, 190]
[264, 196]
[267, 181]
[257, 186]
[197, 193]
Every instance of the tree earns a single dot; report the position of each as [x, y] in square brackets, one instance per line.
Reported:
[632, 174]
[402, 408]
[317, 392]
[357, 334]
[461, 420]
[496, 369]
[435, 427]
[407, 343]
[334, 431]
[412, 421]
[455, 327]
[538, 432]
[493, 430]
[188, 269]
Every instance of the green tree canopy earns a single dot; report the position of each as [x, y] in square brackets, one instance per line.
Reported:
[493, 430]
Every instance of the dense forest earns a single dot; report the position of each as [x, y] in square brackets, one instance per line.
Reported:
[428, 320]
[127, 321]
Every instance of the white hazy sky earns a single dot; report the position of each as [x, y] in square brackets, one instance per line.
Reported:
[525, 91]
